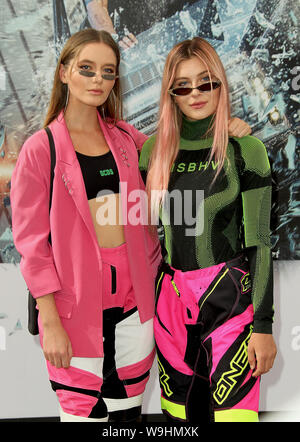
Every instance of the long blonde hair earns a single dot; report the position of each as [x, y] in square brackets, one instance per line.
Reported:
[166, 144]
[112, 108]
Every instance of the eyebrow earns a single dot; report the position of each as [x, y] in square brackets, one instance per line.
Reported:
[92, 62]
[187, 78]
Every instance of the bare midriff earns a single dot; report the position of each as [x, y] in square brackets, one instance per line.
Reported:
[107, 218]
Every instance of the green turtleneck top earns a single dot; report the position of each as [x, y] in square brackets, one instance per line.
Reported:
[234, 216]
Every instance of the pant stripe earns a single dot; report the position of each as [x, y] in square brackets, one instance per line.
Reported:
[212, 290]
[137, 379]
[236, 415]
[162, 325]
[158, 283]
[175, 410]
[57, 386]
[66, 417]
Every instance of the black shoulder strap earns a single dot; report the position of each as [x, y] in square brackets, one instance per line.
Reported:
[238, 155]
[52, 166]
[52, 161]
[124, 130]
[234, 142]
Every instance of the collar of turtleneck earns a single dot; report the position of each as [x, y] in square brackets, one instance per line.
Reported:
[195, 130]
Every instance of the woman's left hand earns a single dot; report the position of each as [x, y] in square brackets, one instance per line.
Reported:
[261, 353]
[238, 128]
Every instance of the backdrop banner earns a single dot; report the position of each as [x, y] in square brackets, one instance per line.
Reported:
[256, 39]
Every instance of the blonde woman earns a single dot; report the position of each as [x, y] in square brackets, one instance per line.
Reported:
[94, 284]
[214, 305]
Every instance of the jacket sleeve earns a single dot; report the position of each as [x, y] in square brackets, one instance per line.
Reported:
[138, 137]
[256, 200]
[30, 189]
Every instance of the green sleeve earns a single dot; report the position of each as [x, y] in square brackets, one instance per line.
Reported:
[143, 166]
[256, 190]
[145, 156]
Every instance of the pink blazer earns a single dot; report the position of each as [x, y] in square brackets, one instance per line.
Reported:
[72, 268]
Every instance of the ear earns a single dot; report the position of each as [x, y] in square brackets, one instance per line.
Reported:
[62, 74]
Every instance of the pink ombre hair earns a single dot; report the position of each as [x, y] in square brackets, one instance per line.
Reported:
[166, 144]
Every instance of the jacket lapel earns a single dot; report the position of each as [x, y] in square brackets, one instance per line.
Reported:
[70, 170]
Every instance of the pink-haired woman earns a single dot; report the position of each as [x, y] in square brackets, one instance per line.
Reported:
[214, 300]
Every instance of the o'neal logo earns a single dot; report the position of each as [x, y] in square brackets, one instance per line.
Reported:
[246, 283]
[163, 377]
[230, 378]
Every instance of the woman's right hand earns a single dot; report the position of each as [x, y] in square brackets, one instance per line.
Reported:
[57, 346]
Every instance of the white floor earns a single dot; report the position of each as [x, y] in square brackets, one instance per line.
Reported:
[279, 416]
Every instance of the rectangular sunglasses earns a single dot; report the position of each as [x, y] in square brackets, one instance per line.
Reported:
[93, 74]
[204, 87]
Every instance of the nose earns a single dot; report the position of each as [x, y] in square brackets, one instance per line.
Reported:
[195, 91]
[97, 78]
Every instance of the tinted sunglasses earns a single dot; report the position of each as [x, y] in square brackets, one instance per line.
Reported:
[204, 87]
[93, 74]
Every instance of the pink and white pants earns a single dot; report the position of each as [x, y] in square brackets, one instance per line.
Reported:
[96, 389]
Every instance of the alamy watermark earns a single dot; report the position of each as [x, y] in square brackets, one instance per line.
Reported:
[180, 208]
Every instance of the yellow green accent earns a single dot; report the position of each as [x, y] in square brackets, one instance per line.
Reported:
[161, 276]
[175, 288]
[163, 377]
[176, 410]
[236, 415]
[221, 277]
